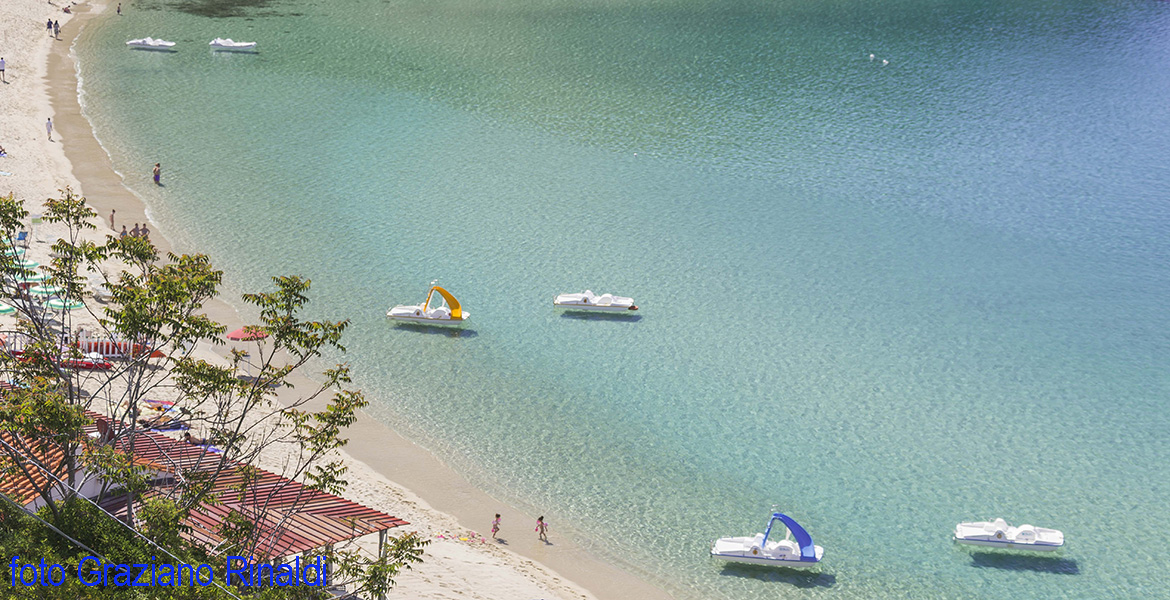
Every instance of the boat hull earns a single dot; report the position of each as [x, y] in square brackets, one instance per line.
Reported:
[234, 48]
[593, 307]
[426, 321]
[156, 48]
[768, 562]
[1006, 545]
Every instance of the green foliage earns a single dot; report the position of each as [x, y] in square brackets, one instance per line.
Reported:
[156, 310]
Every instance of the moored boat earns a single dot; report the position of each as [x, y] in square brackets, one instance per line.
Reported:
[449, 312]
[998, 534]
[796, 550]
[227, 45]
[592, 302]
[149, 43]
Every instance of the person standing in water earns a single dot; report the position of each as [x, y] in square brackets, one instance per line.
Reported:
[157, 173]
[119, 9]
[496, 526]
[541, 529]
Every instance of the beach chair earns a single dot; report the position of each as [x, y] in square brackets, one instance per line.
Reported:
[21, 237]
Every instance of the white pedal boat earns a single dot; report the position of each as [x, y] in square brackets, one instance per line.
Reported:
[149, 43]
[227, 45]
[590, 301]
[998, 534]
[447, 313]
[796, 550]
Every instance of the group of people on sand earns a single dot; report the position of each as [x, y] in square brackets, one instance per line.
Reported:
[141, 232]
[541, 528]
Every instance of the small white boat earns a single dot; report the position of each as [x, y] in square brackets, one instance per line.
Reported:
[998, 534]
[447, 313]
[228, 45]
[149, 43]
[796, 550]
[590, 301]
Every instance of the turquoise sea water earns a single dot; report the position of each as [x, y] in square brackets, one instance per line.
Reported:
[884, 298]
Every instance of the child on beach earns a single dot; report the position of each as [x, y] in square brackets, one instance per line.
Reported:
[542, 529]
[496, 526]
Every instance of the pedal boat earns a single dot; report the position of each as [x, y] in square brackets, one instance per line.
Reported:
[592, 302]
[796, 550]
[998, 534]
[227, 45]
[448, 313]
[149, 43]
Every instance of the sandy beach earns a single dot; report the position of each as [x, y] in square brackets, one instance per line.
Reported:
[387, 472]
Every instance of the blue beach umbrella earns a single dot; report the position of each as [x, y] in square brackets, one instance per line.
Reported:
[6, 309]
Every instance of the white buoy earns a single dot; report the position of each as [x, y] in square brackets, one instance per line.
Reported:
[885, 62]
[871, 57]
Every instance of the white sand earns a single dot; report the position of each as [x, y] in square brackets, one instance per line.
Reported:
[458, 563]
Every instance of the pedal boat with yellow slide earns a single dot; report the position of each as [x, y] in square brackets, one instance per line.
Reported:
[447, 313]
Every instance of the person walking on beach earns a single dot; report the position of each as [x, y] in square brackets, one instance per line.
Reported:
[541, 529]
[157, 173]
[56, 30]
[112, 219]
[49, 26]
[49, 128]
[496, 526]
[2, 70]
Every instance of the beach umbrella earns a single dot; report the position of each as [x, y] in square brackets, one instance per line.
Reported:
[246, 334]
[6, 309]
[46, 290]
[10, 251]
[26, 264]
[25, 278]
[63, 304]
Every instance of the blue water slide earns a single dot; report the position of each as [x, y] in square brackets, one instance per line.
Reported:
[808, 552]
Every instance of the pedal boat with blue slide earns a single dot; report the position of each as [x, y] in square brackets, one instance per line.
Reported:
[796, 550]
[447, 313]
[998, 534]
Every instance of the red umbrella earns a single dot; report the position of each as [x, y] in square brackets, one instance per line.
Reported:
[246, 334]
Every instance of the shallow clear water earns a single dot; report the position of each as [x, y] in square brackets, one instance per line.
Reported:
[884, 298]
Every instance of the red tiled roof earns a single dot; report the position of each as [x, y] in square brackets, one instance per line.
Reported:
[292, 517]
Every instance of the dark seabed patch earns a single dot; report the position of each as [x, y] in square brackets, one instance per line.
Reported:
[218, 9]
